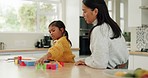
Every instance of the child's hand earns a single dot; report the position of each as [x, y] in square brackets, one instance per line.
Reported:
[42, 59]
[80, 62]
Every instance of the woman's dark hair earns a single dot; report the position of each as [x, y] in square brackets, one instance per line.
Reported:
[60, 24]
[103, 16]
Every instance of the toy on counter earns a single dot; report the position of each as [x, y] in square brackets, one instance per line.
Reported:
[53, 66]
[24, 62]
[30, 62]
[41, 66]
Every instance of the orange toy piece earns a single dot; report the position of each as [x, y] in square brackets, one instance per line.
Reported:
[59, 65]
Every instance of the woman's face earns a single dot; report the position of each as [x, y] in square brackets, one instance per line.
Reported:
[55, 32]
[88, 14]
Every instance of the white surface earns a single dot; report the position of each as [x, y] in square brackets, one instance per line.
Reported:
[138, 61]
[72, 21]
[131, 62]
[134, 13]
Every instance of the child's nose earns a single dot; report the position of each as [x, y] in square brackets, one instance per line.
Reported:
[51, 33]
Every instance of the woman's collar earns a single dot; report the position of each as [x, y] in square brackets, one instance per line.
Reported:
[95, 22]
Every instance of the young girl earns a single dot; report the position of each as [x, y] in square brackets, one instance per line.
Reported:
[61, 49]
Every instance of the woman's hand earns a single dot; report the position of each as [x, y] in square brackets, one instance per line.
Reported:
[80, 62]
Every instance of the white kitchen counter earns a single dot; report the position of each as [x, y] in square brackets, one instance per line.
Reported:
[31, 50]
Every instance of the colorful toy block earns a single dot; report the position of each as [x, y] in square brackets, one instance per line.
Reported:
[41, 66]
[47, 61]
[16, 61]
[29, 62]
[59, 65]
[62, 63]
[51, 66]
[22, 63]
[19, 57]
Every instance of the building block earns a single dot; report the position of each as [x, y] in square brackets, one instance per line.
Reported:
[16, 61]
[38, 66]
[59, 65]
[19, 57]
[22, 64]
[29, 62]
[41, 66]
[47, 61]
[62, 63]
[51, 66]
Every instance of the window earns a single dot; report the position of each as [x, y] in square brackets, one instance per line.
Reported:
[28, 15]
[122, 16]
[112, 8]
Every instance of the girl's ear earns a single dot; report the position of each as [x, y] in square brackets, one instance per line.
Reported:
[95, 11]
[62, 29]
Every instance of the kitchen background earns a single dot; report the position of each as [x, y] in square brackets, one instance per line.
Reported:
[135, 17]
[27, 40]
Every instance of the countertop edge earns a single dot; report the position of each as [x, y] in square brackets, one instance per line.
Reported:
[31, 50]
[75, 49]
[139, 53]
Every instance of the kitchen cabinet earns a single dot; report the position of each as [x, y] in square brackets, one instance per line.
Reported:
[138, 61]
[131, 62]
[137, 13]
[144, 9]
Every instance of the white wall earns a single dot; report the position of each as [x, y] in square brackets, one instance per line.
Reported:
[80, 8]
[20, 40]
[133, 38]
[27, 40]
[72, 21]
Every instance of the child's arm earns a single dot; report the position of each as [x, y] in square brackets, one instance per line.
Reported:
[56, 51]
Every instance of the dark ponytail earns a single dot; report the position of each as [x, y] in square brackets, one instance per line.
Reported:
[67, 37]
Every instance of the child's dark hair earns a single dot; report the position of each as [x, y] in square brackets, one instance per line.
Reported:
[60, 24]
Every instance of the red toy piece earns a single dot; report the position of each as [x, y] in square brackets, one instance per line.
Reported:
[19, 57]
[51, 66]
[62, 63]
[22, 63]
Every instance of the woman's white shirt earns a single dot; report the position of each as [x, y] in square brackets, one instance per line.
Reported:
[106, 52]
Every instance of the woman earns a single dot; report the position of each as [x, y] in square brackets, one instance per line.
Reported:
[107, 44]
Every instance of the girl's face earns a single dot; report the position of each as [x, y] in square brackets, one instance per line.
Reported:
[56, 32]
[88, 14]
